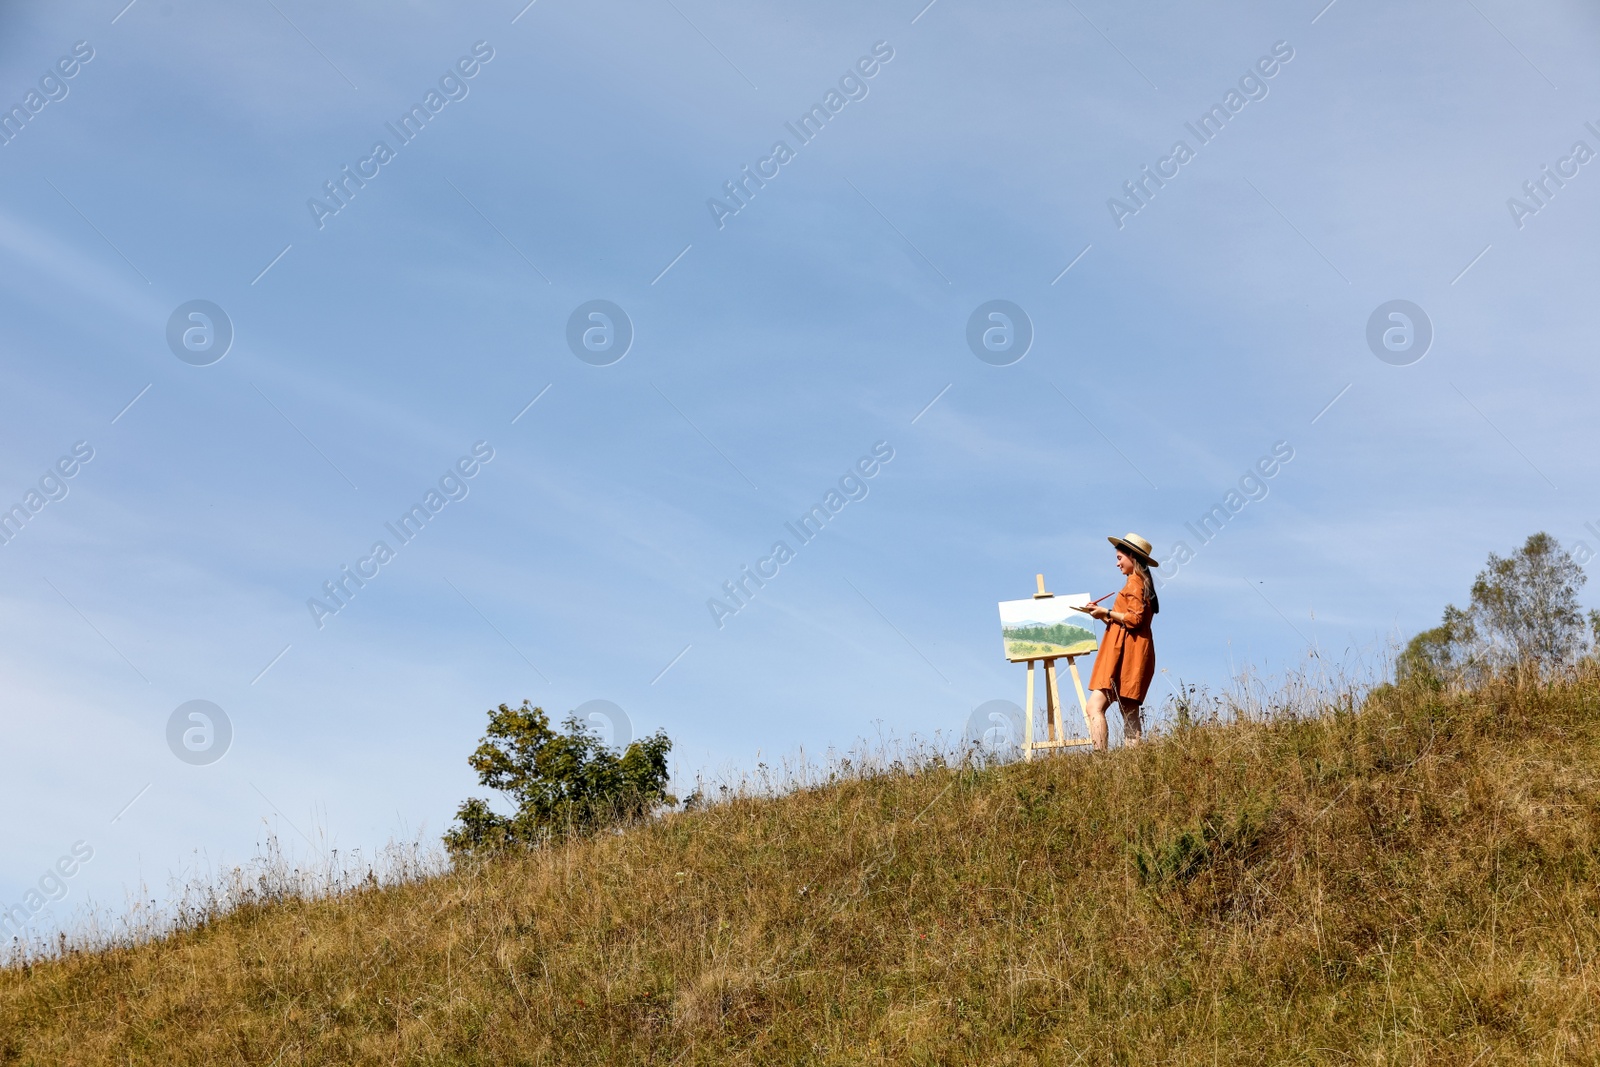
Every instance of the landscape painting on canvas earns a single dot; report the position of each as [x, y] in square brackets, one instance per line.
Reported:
[1036, 629]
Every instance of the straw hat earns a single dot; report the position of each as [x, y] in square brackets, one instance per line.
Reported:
[1134, 545]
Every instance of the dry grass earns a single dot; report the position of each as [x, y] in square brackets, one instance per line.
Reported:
[1417, 882]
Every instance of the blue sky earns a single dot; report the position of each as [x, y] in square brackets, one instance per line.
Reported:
[769, 355]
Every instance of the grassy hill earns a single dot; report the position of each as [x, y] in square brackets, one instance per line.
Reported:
[1415, 882]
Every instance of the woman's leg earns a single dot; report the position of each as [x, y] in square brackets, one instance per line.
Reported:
[1099, 700]
[1132, 723]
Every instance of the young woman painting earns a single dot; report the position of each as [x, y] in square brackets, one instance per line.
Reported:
[1126, 662]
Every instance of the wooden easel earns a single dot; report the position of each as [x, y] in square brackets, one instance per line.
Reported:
[1055, 728]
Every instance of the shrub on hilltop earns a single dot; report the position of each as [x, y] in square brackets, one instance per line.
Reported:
[561, 782]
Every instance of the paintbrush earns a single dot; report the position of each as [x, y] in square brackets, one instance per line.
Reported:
[1092, 603]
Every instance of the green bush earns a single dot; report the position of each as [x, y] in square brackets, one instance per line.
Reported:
[561, 783]
[1181, 856]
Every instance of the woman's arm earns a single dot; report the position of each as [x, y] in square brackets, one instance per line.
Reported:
[1133, 617]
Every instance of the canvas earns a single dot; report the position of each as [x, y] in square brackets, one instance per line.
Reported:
[1036, 629]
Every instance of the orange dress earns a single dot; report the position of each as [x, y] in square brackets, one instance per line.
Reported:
[1126, 663]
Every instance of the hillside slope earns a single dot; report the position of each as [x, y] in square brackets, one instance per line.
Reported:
[1419, 882]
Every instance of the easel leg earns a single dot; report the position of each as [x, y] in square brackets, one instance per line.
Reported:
[1052, 699]
[1077, 683]
[1027, 732]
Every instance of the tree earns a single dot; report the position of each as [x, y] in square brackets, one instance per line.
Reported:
[560, 782]
[1523, 615]
[1527, 605]
[1442, 653]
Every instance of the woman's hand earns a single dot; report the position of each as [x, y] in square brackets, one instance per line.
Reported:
[1100, 613]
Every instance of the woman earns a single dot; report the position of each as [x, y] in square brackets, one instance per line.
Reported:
[1126, 663]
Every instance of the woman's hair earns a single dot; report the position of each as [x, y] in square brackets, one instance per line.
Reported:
[1149, 581]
